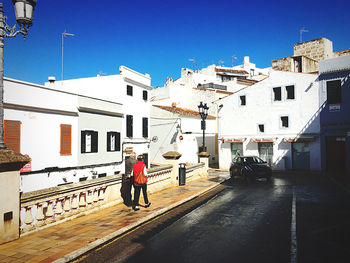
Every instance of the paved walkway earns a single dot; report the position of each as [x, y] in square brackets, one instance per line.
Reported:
[66, 241]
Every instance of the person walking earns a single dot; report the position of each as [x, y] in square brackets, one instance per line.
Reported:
[140, 182]
[128, 180]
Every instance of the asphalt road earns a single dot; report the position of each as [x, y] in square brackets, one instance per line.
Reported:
[293, 218]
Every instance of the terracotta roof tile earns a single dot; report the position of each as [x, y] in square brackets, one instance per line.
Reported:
[182, 111]
[230, 70]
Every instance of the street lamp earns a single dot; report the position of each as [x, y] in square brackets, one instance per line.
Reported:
[24, 16]
[203, 111]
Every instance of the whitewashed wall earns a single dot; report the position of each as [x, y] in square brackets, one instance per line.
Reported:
[41, 112]
[113, 88]
[237, 121]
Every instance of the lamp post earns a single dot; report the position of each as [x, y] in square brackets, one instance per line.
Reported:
[203, 111]
[24, 16]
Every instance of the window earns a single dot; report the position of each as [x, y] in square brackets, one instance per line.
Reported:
[290, 92]
[261, 128]
[129, 126]
[145, 127]
[89, 141]
[12, 135]
[284, 122]
[129, 90]
[334, 92]
[145, 94]
[242, 100]
[66, 139]
[113, 141]
[277, 94]
[251, 73]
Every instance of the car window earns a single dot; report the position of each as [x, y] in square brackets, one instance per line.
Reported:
[258, 160]
[248, 160]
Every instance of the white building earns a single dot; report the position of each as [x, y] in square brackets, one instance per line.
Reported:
[131, 88]
[179, 129]
[276, 119]
[45, 124]
[76, 130]
[207, 85]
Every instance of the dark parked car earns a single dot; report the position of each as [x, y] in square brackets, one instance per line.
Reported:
[250, 168]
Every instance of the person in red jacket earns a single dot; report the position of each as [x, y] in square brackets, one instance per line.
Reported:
[140, 182]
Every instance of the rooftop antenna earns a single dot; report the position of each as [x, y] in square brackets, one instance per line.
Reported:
[194, 62]
[233, 58]
[63, 35]
[301, 33]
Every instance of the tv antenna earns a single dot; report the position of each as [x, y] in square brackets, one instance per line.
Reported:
[301, 33]
[193, 60]
[63, 35]
[233, 58]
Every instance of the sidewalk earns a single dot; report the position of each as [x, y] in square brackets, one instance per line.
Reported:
[66, 241]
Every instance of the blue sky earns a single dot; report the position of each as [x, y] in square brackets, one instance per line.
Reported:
[160, 36]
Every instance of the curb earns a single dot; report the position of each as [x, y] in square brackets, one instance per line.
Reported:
[79, 252]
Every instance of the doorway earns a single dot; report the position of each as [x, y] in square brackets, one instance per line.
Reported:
[300, 156]
[236, 149]
[266, 151]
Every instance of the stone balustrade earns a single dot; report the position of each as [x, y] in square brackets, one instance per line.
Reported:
[194, 171]
[58, 204]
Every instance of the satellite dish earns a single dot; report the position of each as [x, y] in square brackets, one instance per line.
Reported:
[154, 139]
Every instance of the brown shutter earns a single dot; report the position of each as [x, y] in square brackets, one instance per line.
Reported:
[12, 135]
[66, 139]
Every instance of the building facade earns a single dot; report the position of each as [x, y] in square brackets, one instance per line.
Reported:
[307, 55]
[334, 78]
[77, 130]
[178, 129]
[206, 85]
[276, 119]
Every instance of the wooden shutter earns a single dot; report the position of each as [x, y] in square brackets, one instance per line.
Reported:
[83, 141]
[145, 95]
[94, 142]
[129, 90]
[117, 141]
[66, 139]
[109, 134]
[145, 127]
[129, 125]
[12, 135]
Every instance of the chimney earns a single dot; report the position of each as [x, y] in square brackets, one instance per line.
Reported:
[246, 61]
[52, 80]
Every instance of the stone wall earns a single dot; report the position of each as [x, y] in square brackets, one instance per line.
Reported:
[341, 53]
[317, 49]
[283, 64]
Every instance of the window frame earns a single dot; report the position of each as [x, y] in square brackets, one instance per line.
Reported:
[116, 142]
[93, 143]
[281, 122]
[286, 92]
[273, 94]
[129, 126]
[145, 127]
[240, 100]
[129, 90]
[259, 124]
[145, 95]
[340, 91]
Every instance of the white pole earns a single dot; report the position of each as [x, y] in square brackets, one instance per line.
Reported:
[64, 34]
